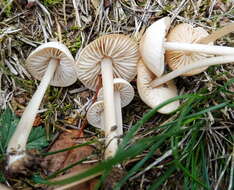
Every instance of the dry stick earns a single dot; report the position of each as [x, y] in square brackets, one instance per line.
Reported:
[217, 34]
[59, 30]
[198, 64]
[64, 13]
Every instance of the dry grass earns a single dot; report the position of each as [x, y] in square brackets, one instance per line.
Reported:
[23, 29]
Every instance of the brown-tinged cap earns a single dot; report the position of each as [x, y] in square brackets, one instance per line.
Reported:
[121, 49]
[124, 88]
[185, 33]
[151, 45]
[155, 96]
[39, 59]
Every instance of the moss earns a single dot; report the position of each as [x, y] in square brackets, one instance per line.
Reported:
[75, 45]
[8, 9]
[74, 28]
[51, 2]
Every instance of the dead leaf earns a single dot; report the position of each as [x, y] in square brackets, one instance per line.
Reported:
[55, 162]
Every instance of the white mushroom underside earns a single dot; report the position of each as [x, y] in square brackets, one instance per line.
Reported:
[155, 96]
[38, 60]
[95, 114]
[119, 48]
[185, 33]
[124, 88]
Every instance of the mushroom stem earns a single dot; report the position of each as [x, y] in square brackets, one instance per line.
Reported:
[118, 113]
[198, 64]
[208, 49]
[217, 34]
[17, 143]
[109, 108]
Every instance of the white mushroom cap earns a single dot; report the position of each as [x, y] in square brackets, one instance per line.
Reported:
[94, 114]
[151, 45]
[37, 62]
[124, 88]
[121, 49]
[185, 33]
[155, 96]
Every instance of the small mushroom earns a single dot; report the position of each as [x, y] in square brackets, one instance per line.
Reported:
[123, 95]
[153, 44]
[95, 115]
[53, 64]
[109, 56]
[153, 96]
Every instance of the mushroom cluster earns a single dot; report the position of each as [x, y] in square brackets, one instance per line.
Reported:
[117, 59]
[185, 53]
[111, 56]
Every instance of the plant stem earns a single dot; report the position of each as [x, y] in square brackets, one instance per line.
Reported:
[19, 139]
[109, 107]
[217, 34]
[208, 49]
[201, 63]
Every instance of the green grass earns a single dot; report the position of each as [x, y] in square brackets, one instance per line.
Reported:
[51, 2]
[206, 150]
[190, 163]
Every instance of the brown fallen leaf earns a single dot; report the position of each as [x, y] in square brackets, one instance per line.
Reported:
[56, 162]
[53, 162]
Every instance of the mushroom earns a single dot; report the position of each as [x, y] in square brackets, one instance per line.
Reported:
[95, 115]
[185, 33]
[53, 64]
[153, 45]
[110, 56]
[153, 96]
[190, 67]
[123, 95]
